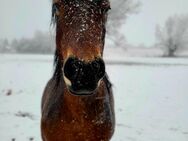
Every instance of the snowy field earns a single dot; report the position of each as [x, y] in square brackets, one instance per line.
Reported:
[151, 97]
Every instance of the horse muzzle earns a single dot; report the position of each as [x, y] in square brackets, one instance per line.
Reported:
[81, 77]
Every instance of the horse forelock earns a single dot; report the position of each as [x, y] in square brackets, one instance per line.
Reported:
[57, 68]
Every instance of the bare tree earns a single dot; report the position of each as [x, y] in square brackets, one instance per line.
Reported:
[4, 45]
[120, 9]
[174, 35]
[42, 42]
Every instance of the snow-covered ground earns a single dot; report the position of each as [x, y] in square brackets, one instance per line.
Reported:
[151, 97]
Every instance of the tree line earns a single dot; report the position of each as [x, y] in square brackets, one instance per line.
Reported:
[41, 43]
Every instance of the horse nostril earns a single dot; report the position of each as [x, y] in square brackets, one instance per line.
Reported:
[95, 66]
[71, 67]
[99, 68]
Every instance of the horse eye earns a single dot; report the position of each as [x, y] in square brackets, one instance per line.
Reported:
[106, 9]
[55, 9]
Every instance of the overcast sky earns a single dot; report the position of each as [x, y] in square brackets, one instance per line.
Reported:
[21, 18]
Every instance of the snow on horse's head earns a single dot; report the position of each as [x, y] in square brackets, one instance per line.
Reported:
[80, 33]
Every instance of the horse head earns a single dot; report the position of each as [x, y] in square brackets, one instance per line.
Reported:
[80, 37]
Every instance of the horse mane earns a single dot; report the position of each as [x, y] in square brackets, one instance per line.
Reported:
[57, 75]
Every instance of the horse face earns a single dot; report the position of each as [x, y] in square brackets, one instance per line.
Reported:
[80, 28]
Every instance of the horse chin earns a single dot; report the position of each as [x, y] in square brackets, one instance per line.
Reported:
[81, 92]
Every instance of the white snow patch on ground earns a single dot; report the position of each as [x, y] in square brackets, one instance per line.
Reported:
[151, 97]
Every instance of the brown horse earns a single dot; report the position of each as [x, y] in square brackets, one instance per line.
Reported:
[77, 104]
